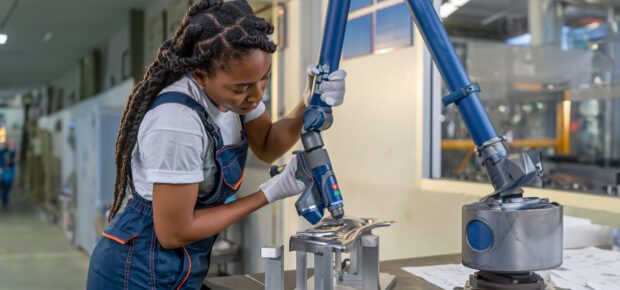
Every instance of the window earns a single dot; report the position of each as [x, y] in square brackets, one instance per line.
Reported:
[553, 91]
[357, 39]
[394, 27]
[384, 25]
[357, 4]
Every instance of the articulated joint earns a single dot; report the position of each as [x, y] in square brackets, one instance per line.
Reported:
[493, 154]
[493, 150]
[317, 118]
[508, 173]
[460, 94]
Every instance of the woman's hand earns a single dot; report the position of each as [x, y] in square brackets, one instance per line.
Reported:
[270, 140]
[284, 184]
[332, 90]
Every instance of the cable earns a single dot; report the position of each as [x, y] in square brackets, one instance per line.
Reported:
[8, 15]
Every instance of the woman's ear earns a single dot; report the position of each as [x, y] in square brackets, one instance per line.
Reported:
[201, 77]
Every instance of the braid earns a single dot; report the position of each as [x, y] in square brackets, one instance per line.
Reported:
[212, 33]
[203, 5]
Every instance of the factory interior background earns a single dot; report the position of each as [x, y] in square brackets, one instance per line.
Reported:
[549, 72]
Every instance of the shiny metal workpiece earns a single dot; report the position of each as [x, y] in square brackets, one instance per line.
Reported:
[338, 235]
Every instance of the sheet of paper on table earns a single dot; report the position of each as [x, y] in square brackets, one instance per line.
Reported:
[583, 269]
[444, 276]
[588, 268]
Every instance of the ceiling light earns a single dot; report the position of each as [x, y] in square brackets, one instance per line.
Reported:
[3, 38]
[447, 9]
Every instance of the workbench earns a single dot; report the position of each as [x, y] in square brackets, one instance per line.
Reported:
[404, 280]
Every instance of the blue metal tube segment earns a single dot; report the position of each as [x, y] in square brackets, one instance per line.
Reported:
[333, 39]
[454, 75]
[318, 117]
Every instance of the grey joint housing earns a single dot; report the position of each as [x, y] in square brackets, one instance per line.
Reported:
[507, 172]
[311, 140]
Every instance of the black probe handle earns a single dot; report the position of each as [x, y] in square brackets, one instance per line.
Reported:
[275, 170]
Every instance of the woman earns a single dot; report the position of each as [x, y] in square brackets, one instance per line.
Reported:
[182, 147]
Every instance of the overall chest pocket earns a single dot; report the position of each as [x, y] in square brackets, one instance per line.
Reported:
[232, 160]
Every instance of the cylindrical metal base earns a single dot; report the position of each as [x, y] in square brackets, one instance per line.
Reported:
[517, 281]
[518, 236]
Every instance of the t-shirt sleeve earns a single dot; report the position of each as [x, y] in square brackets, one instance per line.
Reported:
[171, 142]
[260, 109]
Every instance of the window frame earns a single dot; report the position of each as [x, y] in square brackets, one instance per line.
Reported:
[372, 10]
[372, 2]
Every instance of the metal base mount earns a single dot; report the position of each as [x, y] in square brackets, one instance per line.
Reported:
[386, 281]
[327, 242]
[515, 281]
[512, 236]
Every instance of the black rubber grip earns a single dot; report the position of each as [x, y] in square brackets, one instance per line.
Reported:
[275, 170]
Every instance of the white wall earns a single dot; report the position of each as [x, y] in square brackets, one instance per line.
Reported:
[114, 50]
[92, 170]
[69, 82]
[151, 13]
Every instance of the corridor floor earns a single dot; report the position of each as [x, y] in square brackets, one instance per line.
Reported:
[35, 254]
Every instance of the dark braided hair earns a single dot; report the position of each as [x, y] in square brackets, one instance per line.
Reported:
[211, 35]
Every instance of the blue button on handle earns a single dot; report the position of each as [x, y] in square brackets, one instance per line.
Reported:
[479, 236]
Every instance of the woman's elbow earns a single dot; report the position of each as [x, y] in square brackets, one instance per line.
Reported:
[169, 242]
[267, 158]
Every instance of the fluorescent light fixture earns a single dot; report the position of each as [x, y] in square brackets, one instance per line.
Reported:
[448, 8]
[3, 38]
[520, 40]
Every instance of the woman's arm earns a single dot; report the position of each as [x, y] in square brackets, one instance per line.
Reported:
[177, 223]
[270, 140]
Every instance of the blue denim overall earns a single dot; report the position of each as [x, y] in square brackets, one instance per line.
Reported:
[129, 255]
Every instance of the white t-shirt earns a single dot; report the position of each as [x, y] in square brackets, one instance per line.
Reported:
[173, 146]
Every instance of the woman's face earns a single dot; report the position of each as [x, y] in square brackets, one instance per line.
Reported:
[240, 88]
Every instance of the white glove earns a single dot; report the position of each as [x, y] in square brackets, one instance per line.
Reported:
[284, 184]
[331, 90]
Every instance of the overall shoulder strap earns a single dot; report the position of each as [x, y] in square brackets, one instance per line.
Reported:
[177, 98]
[183, 99]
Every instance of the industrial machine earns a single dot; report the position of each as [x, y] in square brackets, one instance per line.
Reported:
[506, 236]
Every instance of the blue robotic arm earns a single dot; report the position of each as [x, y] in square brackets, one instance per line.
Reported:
[505, 235]
[507, 173]
[315, 169]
